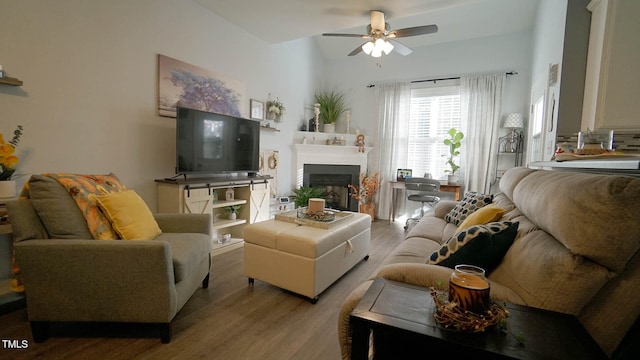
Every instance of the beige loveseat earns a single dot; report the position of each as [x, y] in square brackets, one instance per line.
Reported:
[69, 277]
[576, 251]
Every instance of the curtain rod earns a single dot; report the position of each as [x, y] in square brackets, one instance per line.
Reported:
[442, 79]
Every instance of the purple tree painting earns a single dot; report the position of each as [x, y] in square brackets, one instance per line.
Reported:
[205, 93]
[196, 88]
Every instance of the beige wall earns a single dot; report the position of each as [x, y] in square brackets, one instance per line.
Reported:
[89, 67]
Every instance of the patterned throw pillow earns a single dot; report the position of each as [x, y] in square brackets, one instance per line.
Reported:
[472, 201]
[480, 245]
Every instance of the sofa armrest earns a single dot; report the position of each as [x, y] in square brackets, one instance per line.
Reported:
[443, 207]
[344, 318]
[185, 223]
[424, 275]
[98, 280]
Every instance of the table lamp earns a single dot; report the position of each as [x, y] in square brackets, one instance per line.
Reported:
[513, 121]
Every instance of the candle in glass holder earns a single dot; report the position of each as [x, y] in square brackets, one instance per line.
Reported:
[469, 288]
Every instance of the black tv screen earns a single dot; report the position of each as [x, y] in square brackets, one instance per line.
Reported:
[210, 143]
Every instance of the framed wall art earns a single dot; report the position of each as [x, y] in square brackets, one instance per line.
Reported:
[257, 109]
[189, 86]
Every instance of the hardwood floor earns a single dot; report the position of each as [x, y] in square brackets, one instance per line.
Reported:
[229, 320]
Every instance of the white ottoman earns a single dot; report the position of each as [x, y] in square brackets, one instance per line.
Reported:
[304, 259]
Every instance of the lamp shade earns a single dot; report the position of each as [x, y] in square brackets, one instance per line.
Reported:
[514, 120]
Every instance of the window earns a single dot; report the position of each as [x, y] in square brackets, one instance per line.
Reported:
[434, 111]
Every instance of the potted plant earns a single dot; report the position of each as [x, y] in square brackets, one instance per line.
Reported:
[232, 211]
[369, 186]
[332, 106]
[304, 193]
[454, 143]
[8, 161]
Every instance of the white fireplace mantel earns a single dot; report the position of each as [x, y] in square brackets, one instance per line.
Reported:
[330, 155]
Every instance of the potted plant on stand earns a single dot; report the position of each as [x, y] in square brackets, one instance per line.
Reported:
[8, 161]
[454, 143]
[369, 186]
[332, 106]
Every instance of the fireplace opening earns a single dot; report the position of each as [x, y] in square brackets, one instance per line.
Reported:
[335, 181]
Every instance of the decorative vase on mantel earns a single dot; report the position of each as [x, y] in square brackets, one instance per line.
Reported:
[7, 189]
[329, 128]
[369, 208]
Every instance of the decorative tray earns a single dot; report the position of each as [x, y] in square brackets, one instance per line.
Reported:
[325, 215]
[329, 218]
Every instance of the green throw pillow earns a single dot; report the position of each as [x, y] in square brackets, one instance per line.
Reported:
[480, 245]
[471, 202]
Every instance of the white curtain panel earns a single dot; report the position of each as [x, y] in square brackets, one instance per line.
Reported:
[393, 101]
[481, 101]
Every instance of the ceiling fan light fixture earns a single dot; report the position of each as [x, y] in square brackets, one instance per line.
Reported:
[387, 47]
[368, 47]
[376, 52]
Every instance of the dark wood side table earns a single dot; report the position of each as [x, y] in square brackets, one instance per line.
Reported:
[401, 317]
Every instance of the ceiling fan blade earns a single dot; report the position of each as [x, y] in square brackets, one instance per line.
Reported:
[356, 51]
[413, 31]
[377, 20]
[401, 48]
[347, 35]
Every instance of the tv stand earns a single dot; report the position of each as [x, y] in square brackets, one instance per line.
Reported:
[208, 196]
[174, 178]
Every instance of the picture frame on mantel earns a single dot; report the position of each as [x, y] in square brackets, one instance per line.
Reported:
[256, 109]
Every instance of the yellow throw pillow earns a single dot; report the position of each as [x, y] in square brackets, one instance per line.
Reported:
[130, 217]
[484, 215]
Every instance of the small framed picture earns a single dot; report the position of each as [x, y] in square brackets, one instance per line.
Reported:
[404, 174]
[257, 109]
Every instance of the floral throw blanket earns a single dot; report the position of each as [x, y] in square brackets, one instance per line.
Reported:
[83, 189]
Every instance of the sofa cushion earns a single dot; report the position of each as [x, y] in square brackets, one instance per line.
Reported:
[187, 251]
[547, 275]
[600, 208]
[480, 245]
[484, 215]
[432, 228]
[130, 217]
[413, 250]
[82, 188]
[60, 215]
[471, 202]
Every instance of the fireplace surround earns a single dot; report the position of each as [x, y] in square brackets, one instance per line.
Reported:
[335, 180]
[345, 160]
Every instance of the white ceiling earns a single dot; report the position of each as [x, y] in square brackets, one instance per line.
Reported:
[276, 21]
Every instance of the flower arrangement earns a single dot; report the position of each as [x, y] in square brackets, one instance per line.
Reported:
[368, 189]
[275, 108]
[8, 160]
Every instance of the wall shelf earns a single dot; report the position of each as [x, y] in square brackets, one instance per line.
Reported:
[10, 81]
[269, 128]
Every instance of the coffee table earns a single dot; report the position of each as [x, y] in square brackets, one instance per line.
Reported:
[401, 318]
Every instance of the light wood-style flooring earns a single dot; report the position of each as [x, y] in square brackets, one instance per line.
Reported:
[229, 320]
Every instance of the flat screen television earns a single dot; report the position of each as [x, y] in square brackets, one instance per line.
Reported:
[209, 143]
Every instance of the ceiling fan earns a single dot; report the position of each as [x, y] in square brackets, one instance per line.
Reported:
[381, 39]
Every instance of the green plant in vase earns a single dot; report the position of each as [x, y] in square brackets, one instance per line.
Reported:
[332, 106]
[304, 193]
[232, 211]
[453, 142]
